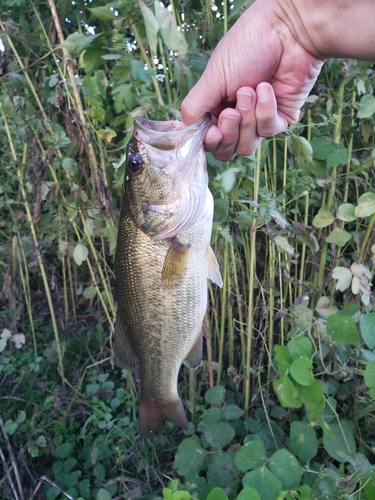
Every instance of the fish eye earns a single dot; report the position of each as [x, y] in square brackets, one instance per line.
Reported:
[135, 163]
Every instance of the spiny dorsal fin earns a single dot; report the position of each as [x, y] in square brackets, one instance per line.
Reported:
[194, 358]
[213, 271]
[175, 262]
[124, 354]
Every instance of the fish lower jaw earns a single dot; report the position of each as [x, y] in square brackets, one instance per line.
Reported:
[152, 415]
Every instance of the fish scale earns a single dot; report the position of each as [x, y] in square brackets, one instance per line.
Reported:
[162, 282]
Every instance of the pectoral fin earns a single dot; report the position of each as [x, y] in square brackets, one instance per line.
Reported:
[175, 262]
[194, 358]
[124, 354]
[213, 271]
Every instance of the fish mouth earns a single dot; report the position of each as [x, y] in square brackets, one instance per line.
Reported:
[168, 135]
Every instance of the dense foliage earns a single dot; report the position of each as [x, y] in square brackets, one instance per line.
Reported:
[283, 407]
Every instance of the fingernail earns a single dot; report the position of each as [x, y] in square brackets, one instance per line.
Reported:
[263, 92]
[229, 124]
[244, 100]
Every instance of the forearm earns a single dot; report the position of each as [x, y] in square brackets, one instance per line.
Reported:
[331, 28]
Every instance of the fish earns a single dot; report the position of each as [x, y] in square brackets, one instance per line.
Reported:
[162, 263]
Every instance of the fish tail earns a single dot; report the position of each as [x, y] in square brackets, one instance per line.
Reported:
[153, 416]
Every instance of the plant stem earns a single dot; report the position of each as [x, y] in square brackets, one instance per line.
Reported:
[252, 262]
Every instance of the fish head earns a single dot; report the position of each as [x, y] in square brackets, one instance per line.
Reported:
[166, 175]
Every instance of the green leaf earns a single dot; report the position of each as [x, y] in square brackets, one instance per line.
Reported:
[324, 308]
[215, 395]
[248, 494]
[338, 156]
[323, 218]
[367, 328]
[366, 205]
[283, 359]
[228, 178]
[91, 58]
[250, 456]
[217, 494]
[300, 346]
[321, 148]
[367, 106]
[232, 412]
[264, 482]
[339, 441]
[139, 72]
[222, 471]
[172, 37]
[64, 450]
[286, 468]
[152, 26]
[103, 13]
[343, 275]
[80, 254]
[303, 441]
[346, 212]
[343, 329]
[301, 370]
[286, 392]
[338, 237]
[219, 435]
[370, 374]
[76, 43]
[299, 146]
[212, 416]
[103, 495]
[189, 458]
[312, 397]
[70, 166]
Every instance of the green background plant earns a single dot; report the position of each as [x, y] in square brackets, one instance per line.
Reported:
[283, 405]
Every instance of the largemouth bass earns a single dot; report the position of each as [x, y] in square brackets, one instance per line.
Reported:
[163, 261]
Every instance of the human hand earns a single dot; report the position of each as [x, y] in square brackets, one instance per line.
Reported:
[259, 52]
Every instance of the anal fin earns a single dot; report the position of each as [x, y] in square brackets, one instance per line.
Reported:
[194, 358]
[124, 354]
[175, 262]
[213, 271]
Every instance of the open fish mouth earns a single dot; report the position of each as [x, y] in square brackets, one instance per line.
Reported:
[172, 134]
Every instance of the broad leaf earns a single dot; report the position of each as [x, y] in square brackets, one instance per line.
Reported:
[219, 435]
[323, 218]
[343, 275]
[151, 24]
[338, 237]
[250, 456]
[339, 440]
[367, 328]
[366, 205]
[303, 440]
[189, 458]
[286, 468]
[264, 482]
[367, 106]
[343, 329]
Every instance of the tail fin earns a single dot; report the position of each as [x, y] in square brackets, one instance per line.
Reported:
[152, 416]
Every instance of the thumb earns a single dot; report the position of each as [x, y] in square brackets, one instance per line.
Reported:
[203, 97]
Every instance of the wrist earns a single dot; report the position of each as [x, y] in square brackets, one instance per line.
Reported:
[331, 28]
